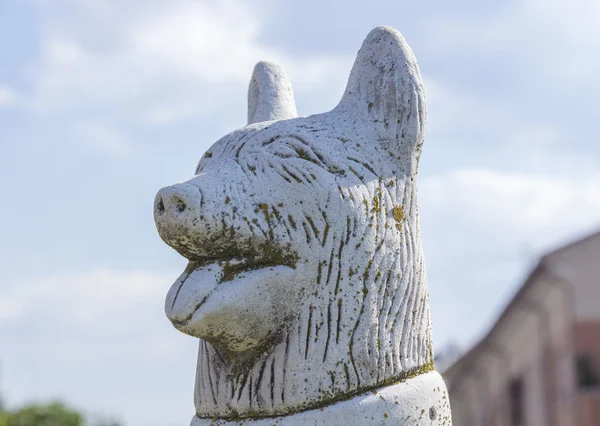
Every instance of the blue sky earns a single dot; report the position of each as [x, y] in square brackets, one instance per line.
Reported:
[103, 102]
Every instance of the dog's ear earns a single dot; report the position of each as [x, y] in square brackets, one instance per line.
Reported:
[385, 92]
[270, 95]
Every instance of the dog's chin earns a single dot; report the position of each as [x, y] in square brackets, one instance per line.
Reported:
[234, 313]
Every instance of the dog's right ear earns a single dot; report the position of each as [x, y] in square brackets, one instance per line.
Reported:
[270, 95]
[385, 93]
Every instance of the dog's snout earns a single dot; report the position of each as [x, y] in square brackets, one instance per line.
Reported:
[178, 216]
[176, 203]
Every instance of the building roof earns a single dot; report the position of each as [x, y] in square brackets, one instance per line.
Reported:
[543, 265]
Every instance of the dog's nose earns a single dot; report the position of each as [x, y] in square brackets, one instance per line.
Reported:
[176, 206]
[175, 200]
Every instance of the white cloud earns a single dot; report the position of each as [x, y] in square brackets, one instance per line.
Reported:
[574, 21]
[554, 37]
[97, 339]
[451, 108]
[102, 138]
[569, 22]
[535, 208]
[165, 63]
[62, 52]
[7, 97]
[483, 230]
[483, 130]
[100, 298]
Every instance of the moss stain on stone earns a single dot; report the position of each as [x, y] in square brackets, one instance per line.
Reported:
[398, 213]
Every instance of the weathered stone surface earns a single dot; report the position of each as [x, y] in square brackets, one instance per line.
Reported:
[306, 283]
[422, 401]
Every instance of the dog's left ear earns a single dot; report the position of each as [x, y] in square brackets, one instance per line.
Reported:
[270, 94]
[385, 92]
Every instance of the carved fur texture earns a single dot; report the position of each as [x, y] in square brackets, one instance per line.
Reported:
[306, 283]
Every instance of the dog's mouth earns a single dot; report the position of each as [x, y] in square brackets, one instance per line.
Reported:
[250, 255]
[241, 263]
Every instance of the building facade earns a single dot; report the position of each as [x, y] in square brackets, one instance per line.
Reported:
[539, 365]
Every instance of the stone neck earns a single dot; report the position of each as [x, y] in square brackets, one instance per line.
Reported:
[419, 400]
[371, 330]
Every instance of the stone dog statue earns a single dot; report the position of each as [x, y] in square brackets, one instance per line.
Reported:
[306, 284]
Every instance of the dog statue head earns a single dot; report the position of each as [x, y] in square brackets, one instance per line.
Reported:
[305, 281]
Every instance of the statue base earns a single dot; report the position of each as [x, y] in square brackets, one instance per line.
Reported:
[421, 400]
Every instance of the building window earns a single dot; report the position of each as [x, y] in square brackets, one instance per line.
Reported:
[516, 397]
[586, 374]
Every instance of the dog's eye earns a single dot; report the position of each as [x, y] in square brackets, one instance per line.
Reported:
[283, 151]
[293, 148]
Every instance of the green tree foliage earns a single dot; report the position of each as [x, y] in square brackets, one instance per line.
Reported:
[52, 414]
[3, 414]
